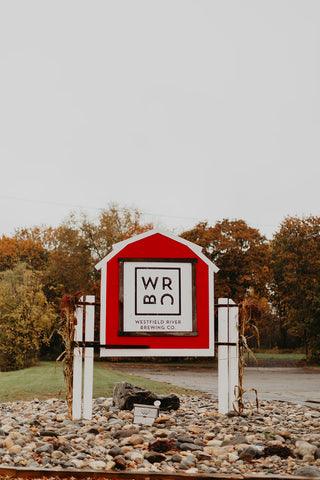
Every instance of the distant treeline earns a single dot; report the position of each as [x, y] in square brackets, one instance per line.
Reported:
[280, 276]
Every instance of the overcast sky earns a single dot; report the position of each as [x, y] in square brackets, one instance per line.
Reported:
[188, 110]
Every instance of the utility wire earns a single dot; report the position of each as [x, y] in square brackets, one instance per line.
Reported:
[86, 207]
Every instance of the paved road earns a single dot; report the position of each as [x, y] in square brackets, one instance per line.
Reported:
[298, 385]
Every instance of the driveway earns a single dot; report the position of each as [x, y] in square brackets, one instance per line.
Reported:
[298, 385]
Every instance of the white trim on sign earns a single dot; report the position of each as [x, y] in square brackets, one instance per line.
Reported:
[117, 247]
[156, 352]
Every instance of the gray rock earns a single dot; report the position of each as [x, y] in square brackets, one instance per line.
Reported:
[251, 450]
[47, 433]
[184, 439]
[125, 395]
[185, 447]
[126, 433]
[176, 458]
[202, 456]
[154, 457]
[115, 451]
[120, 462]
[236, 440]
[305, 448]
[135, 456]
[199, 442]
[47, 448]
[81, 456]
[188, 462]
[64, 448]
[212, 470]
[115, 422]
[20, 442]
[308, 472]
[317, 453]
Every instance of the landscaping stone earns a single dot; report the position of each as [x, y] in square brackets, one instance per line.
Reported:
[197, 439]
[120, 462]
[305, 449]
[125, 395]
[187, 462]
[154, 457]
[308, 472]
[115, 451]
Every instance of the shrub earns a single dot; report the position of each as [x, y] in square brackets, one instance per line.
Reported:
[26, 318]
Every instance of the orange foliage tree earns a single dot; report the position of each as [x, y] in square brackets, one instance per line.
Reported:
[14, 250]
[241, 253]
[75, 246]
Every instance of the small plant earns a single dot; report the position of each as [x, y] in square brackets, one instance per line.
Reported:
[281, 451]
[65, 328]
[162, 445]
[249, 313]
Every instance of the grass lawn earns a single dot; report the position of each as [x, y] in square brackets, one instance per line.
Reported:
[46, 381]
[283, 356]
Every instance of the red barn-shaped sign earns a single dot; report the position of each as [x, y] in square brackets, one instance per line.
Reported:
[157, 298]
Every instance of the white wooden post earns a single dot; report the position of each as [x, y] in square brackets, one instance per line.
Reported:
[228, 355]
[77, 365]
[88, 361]
[223, 364]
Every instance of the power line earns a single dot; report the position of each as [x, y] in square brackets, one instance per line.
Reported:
[86, 207]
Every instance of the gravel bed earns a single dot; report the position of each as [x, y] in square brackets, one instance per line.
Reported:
[278, 439]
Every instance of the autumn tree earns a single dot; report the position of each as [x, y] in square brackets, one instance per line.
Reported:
[113, 225]
[26, 317]
[69, 267]
[295, 253]
[241, 253]
[79, 243]
[22, 248]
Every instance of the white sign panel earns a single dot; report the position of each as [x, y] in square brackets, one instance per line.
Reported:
[145, 414]
[157, 297]
[158, 290]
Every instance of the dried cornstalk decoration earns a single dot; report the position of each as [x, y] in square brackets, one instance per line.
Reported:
[249, 313]
[65, 329]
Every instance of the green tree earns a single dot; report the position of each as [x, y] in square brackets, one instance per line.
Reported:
[26, 318]
[241, 253]
[295, 253]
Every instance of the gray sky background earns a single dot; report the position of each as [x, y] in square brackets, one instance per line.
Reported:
[188, 110]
